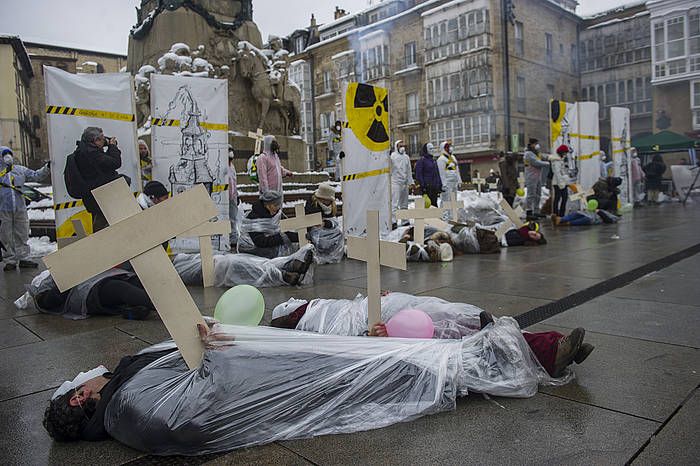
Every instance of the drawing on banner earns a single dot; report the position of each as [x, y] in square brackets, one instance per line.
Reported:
[562, 131]
[620, 142]
[365, 141]
[189, 128]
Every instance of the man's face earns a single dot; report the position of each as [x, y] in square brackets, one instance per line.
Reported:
[143, 150]
[273, 208]
[83, 393]
[100, 141]
[402, 147]
[534, 235]
[158, 200]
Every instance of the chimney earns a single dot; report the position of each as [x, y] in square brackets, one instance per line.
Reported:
[339, 13]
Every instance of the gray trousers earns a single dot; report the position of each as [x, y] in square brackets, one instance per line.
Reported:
[233, 215]
[534, 192]
[14, 234]
[399, 198]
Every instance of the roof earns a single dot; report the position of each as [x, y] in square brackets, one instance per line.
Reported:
[20, 51]
[664, 141]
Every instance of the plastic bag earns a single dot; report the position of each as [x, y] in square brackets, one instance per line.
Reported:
[241, 269]
[329, 243]
[416, 253]
[269, 226]
[23, 301]
[466, 241]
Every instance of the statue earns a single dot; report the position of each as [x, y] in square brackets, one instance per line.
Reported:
[142, 82]
[279, 58]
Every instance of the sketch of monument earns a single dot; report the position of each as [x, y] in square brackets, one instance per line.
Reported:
[193, 165]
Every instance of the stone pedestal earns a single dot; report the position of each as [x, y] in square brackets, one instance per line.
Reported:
[292, 152]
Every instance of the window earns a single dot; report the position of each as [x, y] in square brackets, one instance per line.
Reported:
[409, 54]
[610, 98]
[548, 47]
[561, 48]
[412, 107]
[299, 44]
[518, 32]
[675, 37]
[659, 41]
[521, 135]
[694, 32]
[574, 59]
[695, 103]
[520, 94]
[327, 82]
[413, 144]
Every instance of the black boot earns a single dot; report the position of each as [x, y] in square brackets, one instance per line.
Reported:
[484, 319]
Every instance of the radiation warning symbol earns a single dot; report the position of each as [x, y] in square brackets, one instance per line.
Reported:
[367, 110]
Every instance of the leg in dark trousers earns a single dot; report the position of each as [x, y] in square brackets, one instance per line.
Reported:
[510, 200]
[433, 196]
[560, 197]
[118, 293]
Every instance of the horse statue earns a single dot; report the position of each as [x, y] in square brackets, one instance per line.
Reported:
[254, 66]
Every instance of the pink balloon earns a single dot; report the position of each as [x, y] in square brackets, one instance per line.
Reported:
[410, 323]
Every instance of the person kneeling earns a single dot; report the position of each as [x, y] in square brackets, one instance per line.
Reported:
[260, 233]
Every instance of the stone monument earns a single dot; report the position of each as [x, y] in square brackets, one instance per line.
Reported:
[217, 38]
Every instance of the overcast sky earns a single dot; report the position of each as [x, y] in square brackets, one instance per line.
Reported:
[104, 25]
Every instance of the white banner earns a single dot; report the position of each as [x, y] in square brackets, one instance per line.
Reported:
[74, 102]
[562, 130]
[366, 165]
[588, 153]
[621, 143]
[189, 141]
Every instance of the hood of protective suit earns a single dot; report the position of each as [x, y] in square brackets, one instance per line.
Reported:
[267, 144]
[444, 145]
[396, 145]
[6, 152]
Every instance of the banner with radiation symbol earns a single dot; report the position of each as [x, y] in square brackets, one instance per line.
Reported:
[366, 164]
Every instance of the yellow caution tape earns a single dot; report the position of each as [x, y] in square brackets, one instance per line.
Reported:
[73, 111]
[585, 136]
[357, 176]
[72, 204]
[217, 188]
[588, 156]
[207, 125]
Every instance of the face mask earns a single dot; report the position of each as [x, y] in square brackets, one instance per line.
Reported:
[7, 158]
[402, 150]
[337, 128]
[538, 147]
[274, 147]
[449, 150]
[430, 149]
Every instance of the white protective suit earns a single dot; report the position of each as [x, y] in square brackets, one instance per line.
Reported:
[401, 179]
[449, 175]
[533, 179]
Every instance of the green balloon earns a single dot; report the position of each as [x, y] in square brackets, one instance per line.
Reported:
[592, 205]
[241, 305]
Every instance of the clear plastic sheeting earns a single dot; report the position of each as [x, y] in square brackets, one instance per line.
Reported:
[416, 253]
[241, 269]
[268, 226]
[276, 384]
[329, 242]
[466, 241]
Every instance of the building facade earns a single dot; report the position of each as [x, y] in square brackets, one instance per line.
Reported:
[16, 76]
[67, 59]
[616, 67]
[675, 57]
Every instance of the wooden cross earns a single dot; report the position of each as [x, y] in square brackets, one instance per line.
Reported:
[258, 136]
[510, 213]
[453, 205]
[519, 211]
[206, 253]
[419, 216]
[478, 182]
[502, 229]
[580, 194]
[521, 181]
[136, 235]
[375, 253]
[301, 222]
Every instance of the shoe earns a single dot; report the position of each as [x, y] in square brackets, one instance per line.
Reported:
[413, 250]
[136, 312]
[484, 319]
[556, 220]
[566, 352]
[9, 267]
[291, 278]
[295, 266]
[23, 264]
[583, 352]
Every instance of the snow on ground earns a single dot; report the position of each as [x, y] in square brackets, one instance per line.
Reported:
[40, 247]
[41, 214]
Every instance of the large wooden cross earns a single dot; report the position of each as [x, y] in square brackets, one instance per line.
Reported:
[479, 182]
[136, 235]
[510, 213]
[375, 253]
[301, 222]
[206, 253]
[258, 136]
[419, 216]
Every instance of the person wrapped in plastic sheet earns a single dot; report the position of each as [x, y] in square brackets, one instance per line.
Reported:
[278, 384]
[327, 238]
[247, 269]
[259, 231]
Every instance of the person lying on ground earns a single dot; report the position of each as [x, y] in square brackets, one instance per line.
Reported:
[606, 191]
[113, 292]
[260, 233]
[275, 384]
[554, 351]
[580, 217]
[527, 235]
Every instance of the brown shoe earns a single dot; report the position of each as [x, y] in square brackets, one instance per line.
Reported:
[566, 352]
[556, 220]
[583, 352]
[291, 278]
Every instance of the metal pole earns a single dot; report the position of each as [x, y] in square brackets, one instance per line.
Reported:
[506, 73]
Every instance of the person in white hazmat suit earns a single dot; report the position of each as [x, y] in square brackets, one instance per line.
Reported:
[401, 178]
[534, 164]
[449, 174]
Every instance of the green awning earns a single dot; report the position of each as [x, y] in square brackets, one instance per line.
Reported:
[664, 141]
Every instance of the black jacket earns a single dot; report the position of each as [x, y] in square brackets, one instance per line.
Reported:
[654, 171]
[264, 240]
[97, 168]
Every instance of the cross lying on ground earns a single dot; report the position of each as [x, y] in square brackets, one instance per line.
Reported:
[510, 213]
[125, 240]
[419, 216]
[206, 253]
[300, 223]
[375, 253]
[581, 195]
[258, 136]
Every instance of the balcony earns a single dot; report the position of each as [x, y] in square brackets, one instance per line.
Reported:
[408, 65]
[376, 72]
[410, 117]
[325, 89]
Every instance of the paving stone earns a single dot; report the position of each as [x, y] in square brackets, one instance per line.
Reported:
[49, 326]
[14, 334]
[648, 320]
[662, 289]
[538, 430]
[272, 454]
[39, 366]
[637, 377]
[678, 440]
[25, 442]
